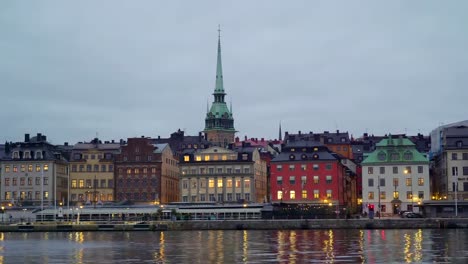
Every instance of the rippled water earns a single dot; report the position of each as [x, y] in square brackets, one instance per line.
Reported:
[284, 246]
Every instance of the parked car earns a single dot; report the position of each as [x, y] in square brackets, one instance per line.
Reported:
[411, 215]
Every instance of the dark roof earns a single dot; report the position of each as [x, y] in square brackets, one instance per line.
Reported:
[325, 137]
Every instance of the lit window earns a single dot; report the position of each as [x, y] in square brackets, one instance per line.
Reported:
[220, 183]
[38, 167]
[7, 168]
[304, 194]
[207, 157]
[15, 169]
[280, 195]
[329, 194]
[396, 195]
[370, 195]
[292, 195]
[420, 181]
[211, 183]
[46, 167]
[229, 183]
[224, 157]
[316, 194]
[409, 182]
[247, 183]
[382, 195]
[73, 184]
[198, 158]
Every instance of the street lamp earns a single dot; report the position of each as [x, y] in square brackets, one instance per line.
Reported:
[3, 212]
[378, 187]
[408, 172]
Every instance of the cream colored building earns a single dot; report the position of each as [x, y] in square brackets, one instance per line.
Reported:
[223, 175]
[92, 172]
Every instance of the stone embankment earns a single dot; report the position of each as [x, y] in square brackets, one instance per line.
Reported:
[393, 223]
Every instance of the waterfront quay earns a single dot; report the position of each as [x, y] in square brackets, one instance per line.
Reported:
[291, 224]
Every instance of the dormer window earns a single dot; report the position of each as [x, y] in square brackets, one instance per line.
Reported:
[16, 155]
[27, 154]
[38, 155]
[459, 144]
[343, 139]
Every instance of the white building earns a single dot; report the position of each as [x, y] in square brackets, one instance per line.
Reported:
[395, 176]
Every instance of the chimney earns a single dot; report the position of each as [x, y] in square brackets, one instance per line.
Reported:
[337, 131]
[44, 138]
[245, 138]
[26, 137]
[299, 132]
[66, 143]
[200, 136]
[237, 139]
[38, 137]
[263, 139]
[159, 137]
[113, 141]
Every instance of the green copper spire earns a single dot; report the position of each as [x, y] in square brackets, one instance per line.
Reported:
[219, 88]
[219, 117]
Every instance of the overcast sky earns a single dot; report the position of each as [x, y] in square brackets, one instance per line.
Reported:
[71, 69]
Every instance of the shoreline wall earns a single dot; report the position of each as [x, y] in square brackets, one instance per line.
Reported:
[241, 225]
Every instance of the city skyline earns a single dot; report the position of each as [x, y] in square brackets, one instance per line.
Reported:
[119, 70]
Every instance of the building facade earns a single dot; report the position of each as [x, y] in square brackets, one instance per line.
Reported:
[450, 164]
[92, 172]
[34, 172]
[307, 172]
[219, 121]
[223, 175]
[395, 177]
[146, 172]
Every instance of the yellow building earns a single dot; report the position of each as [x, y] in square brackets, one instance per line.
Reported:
[92, 172]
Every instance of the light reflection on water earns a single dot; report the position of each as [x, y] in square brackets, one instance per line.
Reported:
[243, 246]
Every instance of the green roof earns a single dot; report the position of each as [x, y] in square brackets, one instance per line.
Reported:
[395, 150]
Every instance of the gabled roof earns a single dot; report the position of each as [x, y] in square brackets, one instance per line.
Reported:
[395, 151]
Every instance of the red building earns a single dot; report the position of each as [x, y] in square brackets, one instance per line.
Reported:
[146, 172]
[307, 172]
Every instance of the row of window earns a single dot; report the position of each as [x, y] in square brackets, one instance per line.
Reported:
[303, 167]
[90, 197]
[136, 196]
[137, 170]
[407, 170]
[139, 158]
[25, 195]
[78, 156]
[215, 157]
[91, 168]
[29, 168]
[396, 195]
[382, 156]
[455, 156]
[304, 194]
[220, 197]
[95, 183]
[316, 180]
[455, 171]
[382, 182]
[28, 154]
[218, 183]
[23, 180]
[195, 171]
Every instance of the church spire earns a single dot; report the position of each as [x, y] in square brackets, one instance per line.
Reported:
[219, 88]
[280, 134]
